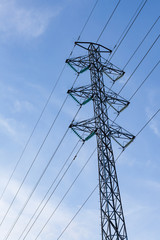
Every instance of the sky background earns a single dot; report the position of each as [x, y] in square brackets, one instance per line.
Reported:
[36, 37]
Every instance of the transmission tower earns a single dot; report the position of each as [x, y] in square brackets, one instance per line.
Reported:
[112, 218]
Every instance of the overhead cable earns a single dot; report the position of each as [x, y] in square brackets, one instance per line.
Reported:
[88, 19]
[84, 26]
[136, 135]
[128, 27]
[49, 189]
[51, 194]
[94, 189]
[32, 163]
[144, 126]
[144, 80]
[149, 74]
[34, 128]
[45, 105]
[148, 122]
[141, 43]
[139, 86]
[65, 195]
[37, 183]
[140, 63]
[97, 184]
[108, 21]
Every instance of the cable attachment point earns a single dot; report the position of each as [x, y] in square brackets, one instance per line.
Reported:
[76, 66]
[82, 95]
[85, 129]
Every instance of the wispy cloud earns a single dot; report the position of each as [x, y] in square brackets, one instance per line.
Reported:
[22, 105]
[6, 126]
[82, 227]
[155, 128]
[27, 22]
[154, 125]
[153, 185]
[10, 130]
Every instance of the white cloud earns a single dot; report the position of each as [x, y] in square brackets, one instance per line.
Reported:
[6, 126]
[155, 128]
[25, 22]
[82, 227]
[153, 185]
[22, 105]
[13, 131]
[154, 125]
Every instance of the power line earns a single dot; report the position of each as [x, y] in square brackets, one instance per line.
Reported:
[65, 195]
[21, 211]
[24, 149]
[97, 184]
[144, 80]
[132, 76]
[88, 19]
[130, 21]
[149, 74]
[148, 122]
[141, 42]
[137, 91]
[132, 98]
[32, 163]
[53, 191]
[84, 26]
[78, 212]
[49, 190]
[45, 105]
[140, 62]
[135, 16]
[29, 169]
[87, 198]
[108, 21]
[139, 86]
[37, 183]
[141, 130]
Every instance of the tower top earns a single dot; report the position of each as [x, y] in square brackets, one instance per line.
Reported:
[86, 46]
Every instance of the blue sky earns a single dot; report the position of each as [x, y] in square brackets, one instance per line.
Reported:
[36, 37]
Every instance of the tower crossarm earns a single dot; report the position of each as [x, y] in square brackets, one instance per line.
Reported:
[83, 95]
[82, 63]
[86, 129]
[120, 135]
[117, 102]
[113, 72]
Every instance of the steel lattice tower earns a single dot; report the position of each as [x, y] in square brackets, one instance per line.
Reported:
[112, 217]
